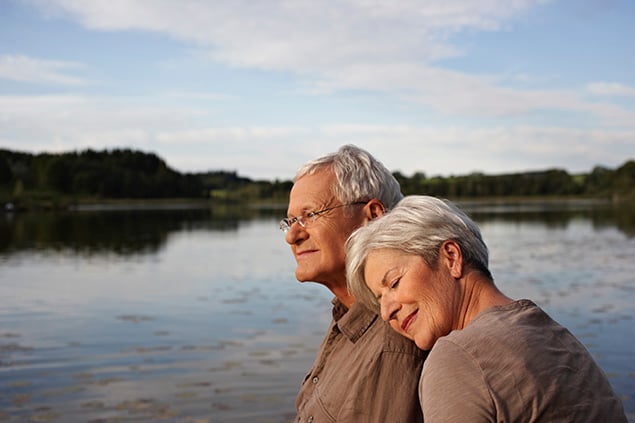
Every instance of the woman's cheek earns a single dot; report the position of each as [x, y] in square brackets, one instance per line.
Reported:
[395, 325]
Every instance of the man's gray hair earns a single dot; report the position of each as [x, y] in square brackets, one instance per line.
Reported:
[418, 225]
[360, 177]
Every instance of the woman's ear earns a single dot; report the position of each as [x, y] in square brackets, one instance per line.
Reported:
[451, 255]
[374, 209]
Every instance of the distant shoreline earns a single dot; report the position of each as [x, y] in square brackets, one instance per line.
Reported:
[123, 178]
[137, 204]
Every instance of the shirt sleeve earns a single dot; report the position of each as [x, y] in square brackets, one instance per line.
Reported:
[452, 388]
[390, 394]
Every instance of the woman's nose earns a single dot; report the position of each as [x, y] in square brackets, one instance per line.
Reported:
[389, 308]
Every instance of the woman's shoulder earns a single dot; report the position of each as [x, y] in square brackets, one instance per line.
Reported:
[507, 329]
[518, 352]
[515, 317]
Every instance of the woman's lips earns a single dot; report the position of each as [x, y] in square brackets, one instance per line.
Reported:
[408, 320]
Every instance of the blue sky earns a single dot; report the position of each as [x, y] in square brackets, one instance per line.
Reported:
[444, 87]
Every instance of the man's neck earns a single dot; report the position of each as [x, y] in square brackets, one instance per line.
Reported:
[344, 296]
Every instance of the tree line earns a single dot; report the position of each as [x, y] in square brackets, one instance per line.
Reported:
[130, 174]
[600, 182]
[118, 174]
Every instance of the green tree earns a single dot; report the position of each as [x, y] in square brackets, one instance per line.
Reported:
[6, 175]
[624, 180]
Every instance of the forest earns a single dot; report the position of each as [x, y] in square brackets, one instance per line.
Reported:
[48, 180]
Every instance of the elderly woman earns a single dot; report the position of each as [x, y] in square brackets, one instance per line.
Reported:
[424, 265]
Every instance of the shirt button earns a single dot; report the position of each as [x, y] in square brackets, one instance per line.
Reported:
[310, 419]
[315, 380]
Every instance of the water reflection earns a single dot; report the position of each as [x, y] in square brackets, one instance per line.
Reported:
[120, 231]
[556, 214]
[145, 231]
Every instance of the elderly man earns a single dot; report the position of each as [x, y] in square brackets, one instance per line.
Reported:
[364, 371]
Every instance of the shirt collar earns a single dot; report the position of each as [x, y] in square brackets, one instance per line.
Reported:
[353, 322]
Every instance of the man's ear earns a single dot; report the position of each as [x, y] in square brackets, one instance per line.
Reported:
[451, 256]
[374, 209]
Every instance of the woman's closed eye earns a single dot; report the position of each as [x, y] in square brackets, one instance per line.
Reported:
[395, 283]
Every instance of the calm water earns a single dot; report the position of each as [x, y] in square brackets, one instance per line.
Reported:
[195, 316]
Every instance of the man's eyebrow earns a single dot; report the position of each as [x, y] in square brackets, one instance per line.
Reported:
[308, 209]
[303, 212]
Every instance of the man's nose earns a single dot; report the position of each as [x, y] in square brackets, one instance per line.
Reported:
[295, 233]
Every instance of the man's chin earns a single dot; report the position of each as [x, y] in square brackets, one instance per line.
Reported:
[305, 277]
[301, 277]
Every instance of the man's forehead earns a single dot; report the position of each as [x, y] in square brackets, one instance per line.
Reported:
[315, 188]
[309, 202]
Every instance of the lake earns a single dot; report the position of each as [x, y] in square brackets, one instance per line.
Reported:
[194, 315]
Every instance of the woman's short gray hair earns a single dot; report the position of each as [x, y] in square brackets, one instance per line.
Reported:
[359, 176]
[418, 225]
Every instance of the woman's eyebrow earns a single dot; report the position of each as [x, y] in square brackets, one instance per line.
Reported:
[385, 281]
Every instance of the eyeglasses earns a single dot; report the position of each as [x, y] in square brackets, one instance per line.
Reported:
[286, 223]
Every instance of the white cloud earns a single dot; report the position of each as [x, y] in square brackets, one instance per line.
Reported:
[391, 48]
[28, 69]
[228, 134]
[445, 150]
[62, 123]
[303, 36]
[371, 45]
[216, 97]
[460, 94]
[611, 89]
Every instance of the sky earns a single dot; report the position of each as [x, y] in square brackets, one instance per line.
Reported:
[442, 87]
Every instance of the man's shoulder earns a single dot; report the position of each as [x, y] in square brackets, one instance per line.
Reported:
[365, 326]
[392, 342]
